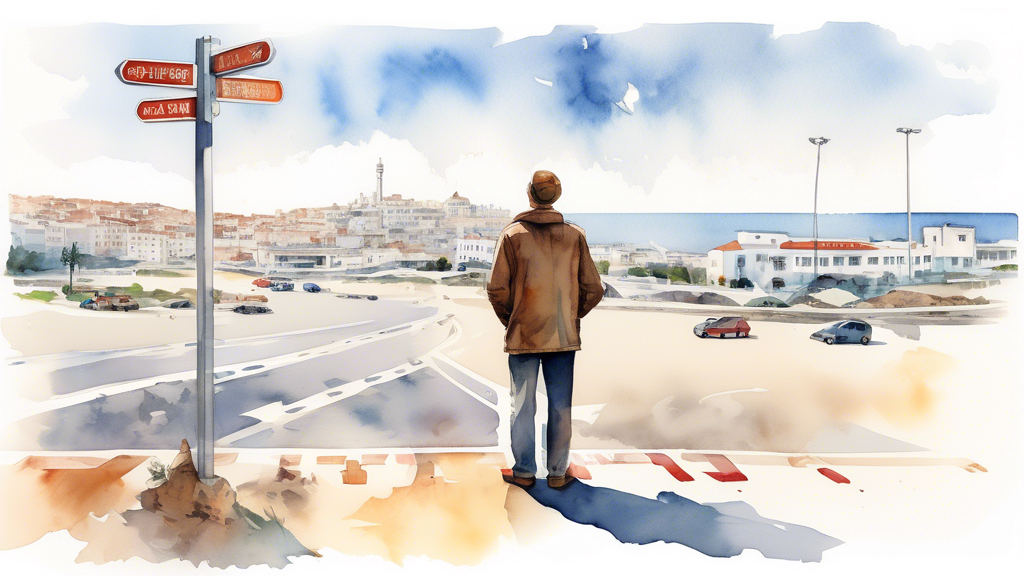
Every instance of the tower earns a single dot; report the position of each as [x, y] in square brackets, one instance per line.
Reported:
[378, 196]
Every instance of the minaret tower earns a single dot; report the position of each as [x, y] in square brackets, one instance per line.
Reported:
[378, 196]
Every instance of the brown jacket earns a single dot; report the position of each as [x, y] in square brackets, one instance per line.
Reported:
[542, 282]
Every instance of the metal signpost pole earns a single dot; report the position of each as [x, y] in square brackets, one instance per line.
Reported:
[206, 97]
[206, 76]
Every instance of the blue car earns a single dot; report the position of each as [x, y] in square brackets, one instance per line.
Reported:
[847, 331]
[84, 302]
[282, 286]
[310, 287]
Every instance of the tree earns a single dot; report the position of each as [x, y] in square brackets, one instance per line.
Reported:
[71, 258]
[721, 280]
[603, 266]
[638, 271]
[20, 260]
[443, 265]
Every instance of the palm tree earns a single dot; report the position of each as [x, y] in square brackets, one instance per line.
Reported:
[71, 258]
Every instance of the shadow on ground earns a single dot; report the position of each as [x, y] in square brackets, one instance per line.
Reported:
[720, 530]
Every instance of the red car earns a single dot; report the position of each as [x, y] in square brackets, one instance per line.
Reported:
[262, 282]
[738, 327]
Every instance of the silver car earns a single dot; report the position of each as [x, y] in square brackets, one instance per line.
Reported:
[847, 331]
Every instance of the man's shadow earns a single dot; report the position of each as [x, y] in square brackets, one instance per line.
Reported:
[720, 529]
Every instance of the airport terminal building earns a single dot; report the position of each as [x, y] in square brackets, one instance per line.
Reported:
[775, 259]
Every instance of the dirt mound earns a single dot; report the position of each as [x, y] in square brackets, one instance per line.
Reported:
[908, 299]
[709, 298]
[767, 302]
[811, 301]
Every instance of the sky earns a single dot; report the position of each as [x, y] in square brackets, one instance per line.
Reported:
[658, 117]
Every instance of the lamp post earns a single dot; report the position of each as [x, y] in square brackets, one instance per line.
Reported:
[910, 261]
[817, 142]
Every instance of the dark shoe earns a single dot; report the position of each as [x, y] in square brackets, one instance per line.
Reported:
[560, 482]
[522, 482]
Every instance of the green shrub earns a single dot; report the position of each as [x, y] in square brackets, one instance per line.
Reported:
[40, 295]
[638, 271]
[603, 266]
[66, 289]
[659, 273]
[1006, 268]
[733, 283]
[135, 288]
[679, 273]
[20, 260]
[162, 273]
[77, 297]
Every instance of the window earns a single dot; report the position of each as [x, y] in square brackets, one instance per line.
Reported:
[778, 262]
[854, 260]
[872, 260]
[962, 237]
[838, 260]
[900, 260]
[888, 260]
[741, 261]
[823, 261]
[760, 258]
[917, 259]
[927, 259]
[967, 262]
[807, 261]
[954, 261]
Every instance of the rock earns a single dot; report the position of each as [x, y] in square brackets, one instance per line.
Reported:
[184, 496]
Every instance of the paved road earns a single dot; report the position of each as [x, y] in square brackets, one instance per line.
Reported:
[375, 382]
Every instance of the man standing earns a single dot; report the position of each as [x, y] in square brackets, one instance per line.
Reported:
[542, 282]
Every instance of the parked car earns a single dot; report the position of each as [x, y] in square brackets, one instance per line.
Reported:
[310, 287]
[252, 309]
[180, 304]
[119, 302]
[734, 325]
[282, 286]
[847, 331]
[262, 282]
[462, 267]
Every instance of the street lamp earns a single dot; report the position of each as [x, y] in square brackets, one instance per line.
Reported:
[910, 260]
[817, 142]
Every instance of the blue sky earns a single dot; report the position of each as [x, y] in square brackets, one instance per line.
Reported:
[724, 110]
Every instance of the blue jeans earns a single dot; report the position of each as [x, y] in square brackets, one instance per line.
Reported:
[557, 368]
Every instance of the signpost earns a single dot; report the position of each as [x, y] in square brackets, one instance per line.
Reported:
[167, 109]
[238, 58]
[157, 73]
[201, 109]
[249, 90]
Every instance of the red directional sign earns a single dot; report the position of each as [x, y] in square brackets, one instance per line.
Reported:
[157, 73]
[167, 109]
[250, 90]
[239, 58]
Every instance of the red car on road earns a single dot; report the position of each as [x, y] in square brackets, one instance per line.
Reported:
[262, 282]
[736, 326]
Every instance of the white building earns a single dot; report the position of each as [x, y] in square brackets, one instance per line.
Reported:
[766, 258]
[992, 254]
[475, 248]
[147, 247]
[952, 247]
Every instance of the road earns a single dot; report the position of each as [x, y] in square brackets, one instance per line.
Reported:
[378, 380]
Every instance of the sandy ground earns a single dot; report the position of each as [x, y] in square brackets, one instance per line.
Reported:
[955, 390]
